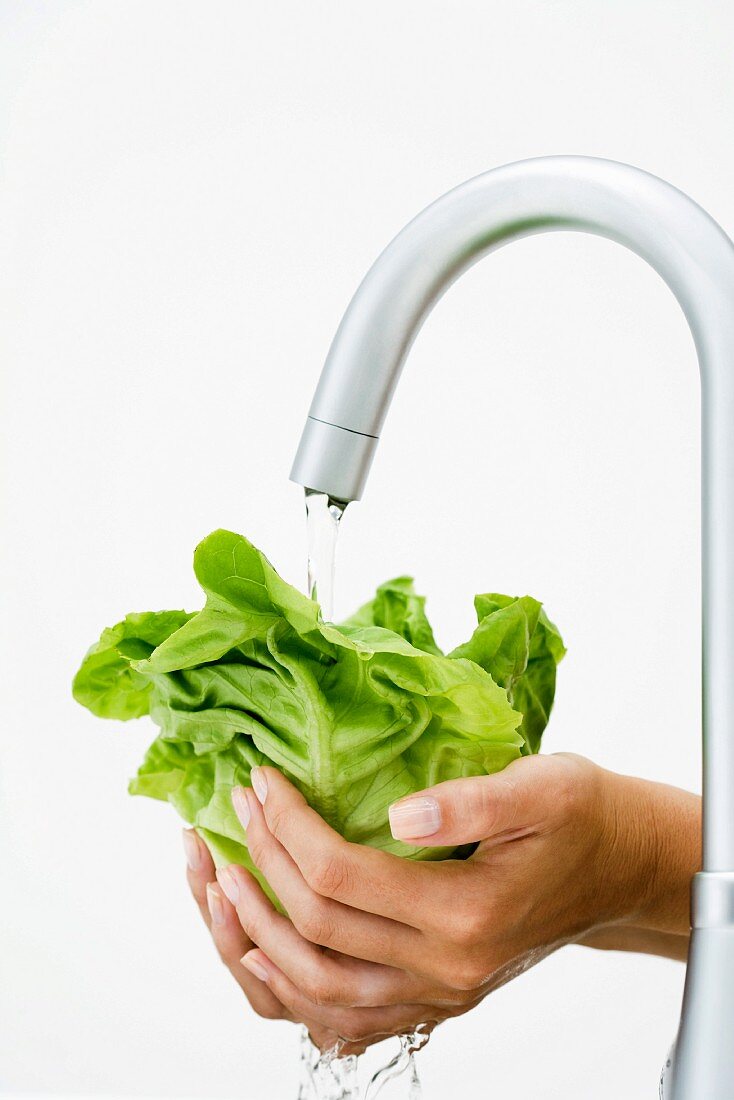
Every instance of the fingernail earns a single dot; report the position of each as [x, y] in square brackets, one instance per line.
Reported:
[192, 848]
[414, 817]
[241, 806]
[255, 967]
[229, 884]
[213, 900]
[259, 784]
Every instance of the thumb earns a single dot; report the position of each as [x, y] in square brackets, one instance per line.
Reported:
[463, 811]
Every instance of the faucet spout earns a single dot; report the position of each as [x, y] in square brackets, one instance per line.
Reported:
[696, 259]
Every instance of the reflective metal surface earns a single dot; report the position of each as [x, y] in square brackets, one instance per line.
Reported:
[696, 259]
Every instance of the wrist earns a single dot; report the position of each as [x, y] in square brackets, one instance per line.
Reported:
[654, 849]
[643, 941]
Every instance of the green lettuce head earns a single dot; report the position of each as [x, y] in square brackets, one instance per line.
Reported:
[356, 715]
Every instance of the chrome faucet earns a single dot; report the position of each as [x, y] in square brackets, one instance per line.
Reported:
[696, 259]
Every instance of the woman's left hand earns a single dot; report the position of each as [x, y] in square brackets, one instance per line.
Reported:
[371, 939]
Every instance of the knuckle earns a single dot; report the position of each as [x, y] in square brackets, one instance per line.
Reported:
[197, 885]
[321, 992]
[467, 927]
[203, 907]
[468, 976]
[473, 927]
[570, 782]
[250, 923]
[566, 794]
[330, 875]
[321, 1037]
[256, 848]
[230, 960]
[314, 924]
[483, 807]
[276, 819]
[269, 1011]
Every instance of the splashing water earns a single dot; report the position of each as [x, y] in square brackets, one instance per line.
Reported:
[323, 514]
[403, 1062]
[326, 1076]
[329, 1076]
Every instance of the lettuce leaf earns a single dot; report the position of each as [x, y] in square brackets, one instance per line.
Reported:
[356, 715]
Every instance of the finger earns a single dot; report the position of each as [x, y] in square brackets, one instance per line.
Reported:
[229, 938]
[327, 1039]
[353, 1024]
[232, 942]
[326, 976]
[510, 804]
[355, 874]
[199, 870]
[320, 920]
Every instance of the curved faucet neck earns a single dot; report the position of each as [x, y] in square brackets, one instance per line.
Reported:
[695, 258]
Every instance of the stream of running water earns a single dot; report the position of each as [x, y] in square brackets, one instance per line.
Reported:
[323, 515]
[328, 1075]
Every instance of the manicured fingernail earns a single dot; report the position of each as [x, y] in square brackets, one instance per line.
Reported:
[241, 806]
[259, 784]
[229, 884]
[192, 848]
[213, 900]
[255, 967]
[414, 817]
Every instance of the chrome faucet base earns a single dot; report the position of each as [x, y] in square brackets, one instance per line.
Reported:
[703, 1058]
[703, 1063]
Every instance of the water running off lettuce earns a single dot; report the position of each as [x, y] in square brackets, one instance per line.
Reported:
[357, 715]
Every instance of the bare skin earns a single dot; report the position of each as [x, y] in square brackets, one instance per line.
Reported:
[374, 944]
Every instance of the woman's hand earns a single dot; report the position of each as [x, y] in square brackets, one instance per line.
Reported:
[229, 937]
[326, 1025]
[373, 943]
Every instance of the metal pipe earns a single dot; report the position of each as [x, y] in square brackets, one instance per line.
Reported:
[696, 259]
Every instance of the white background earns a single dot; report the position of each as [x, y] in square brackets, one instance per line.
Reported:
[190, 194]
